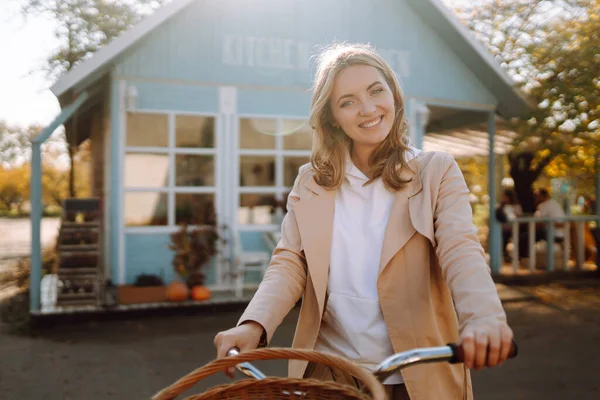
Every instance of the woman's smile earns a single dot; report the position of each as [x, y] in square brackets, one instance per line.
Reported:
[371, 123]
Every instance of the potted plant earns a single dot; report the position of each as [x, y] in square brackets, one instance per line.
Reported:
[193, 249]
[147, 288]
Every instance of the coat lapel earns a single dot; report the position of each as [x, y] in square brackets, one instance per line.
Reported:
[399, 228]
[315, 222]
[314, 215]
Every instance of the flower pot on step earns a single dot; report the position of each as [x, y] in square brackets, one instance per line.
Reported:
[129, 294]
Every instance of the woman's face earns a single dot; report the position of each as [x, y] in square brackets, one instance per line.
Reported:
[362, 105]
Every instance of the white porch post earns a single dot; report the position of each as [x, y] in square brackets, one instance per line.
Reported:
[229, 165]
[499, 176]
[494, 237]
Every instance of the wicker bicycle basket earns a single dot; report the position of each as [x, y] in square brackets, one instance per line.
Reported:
[278, 388]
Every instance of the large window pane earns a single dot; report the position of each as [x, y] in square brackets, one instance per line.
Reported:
[297, 135]
[257, 133]
[194, 208]
[146, 209]
[194, 131]
[147, 130]
[257, 209]
[290, 168]
[257, 171]
[146, 170]
[194, 170]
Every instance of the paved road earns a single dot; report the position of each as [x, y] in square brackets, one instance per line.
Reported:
[15, 237]
[133, 359]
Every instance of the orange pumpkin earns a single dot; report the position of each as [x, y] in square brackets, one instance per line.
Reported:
[177, 291]
[200, 293]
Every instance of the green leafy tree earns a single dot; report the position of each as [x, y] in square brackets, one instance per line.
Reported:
[550, 49]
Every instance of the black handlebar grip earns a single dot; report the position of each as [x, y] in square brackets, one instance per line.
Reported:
[457, 356]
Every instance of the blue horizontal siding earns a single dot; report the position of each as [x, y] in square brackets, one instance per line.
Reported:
[190, 47]
[177, 97]
[291, 104]
[150, 254]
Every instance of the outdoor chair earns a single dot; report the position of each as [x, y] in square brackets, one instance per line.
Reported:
[247, 261]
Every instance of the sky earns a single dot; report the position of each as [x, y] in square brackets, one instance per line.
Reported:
[25, 97]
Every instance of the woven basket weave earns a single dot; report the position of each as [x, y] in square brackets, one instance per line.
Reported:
[278, 388]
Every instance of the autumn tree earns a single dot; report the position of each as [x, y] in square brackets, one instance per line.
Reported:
[14, 187]
[550, 49]
[83, 27]
[15, 154]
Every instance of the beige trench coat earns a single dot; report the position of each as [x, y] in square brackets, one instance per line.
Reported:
[433, 278]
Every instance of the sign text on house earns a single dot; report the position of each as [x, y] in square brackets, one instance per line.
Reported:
[278, 53]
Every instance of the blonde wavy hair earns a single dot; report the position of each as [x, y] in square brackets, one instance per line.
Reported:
[331, 145]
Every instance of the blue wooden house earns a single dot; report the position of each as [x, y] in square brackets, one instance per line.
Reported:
[207, 100]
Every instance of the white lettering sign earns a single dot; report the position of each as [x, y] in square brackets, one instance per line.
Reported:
[249, 51]
[266, 52]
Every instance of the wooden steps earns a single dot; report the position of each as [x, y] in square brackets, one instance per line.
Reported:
[78, 247]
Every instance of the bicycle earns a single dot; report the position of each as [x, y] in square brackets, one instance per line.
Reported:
[280, 388]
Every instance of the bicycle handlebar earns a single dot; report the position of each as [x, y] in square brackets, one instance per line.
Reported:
[451, 353]
[246, 368]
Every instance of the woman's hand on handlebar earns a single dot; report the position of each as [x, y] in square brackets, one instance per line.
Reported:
[245, 337]
[485, 344]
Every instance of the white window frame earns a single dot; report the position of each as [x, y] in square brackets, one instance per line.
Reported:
[171, 189]
[279, 153]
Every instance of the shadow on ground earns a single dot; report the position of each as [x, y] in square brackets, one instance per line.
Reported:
[134, 358]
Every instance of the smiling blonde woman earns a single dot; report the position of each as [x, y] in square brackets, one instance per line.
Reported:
[379, 242]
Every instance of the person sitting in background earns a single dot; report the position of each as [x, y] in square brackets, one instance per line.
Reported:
[546, 207]
[507, 210]
[590, 232]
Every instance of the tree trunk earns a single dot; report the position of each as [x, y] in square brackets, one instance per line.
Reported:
[524, 192]
[20, 207]
[524, 175]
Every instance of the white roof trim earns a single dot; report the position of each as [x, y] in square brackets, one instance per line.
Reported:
[116, 47]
